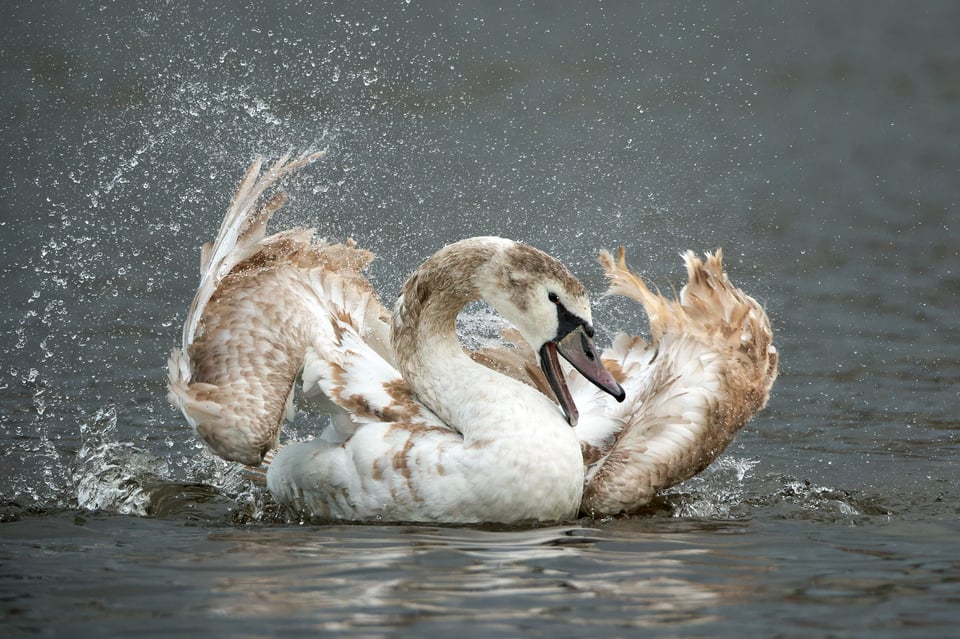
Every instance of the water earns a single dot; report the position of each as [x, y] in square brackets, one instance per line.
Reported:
[817, 144]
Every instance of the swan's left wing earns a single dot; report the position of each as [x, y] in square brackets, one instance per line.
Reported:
[709, 368]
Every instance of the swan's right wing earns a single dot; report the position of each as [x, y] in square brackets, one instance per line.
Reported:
[269, 307]
[241, 231]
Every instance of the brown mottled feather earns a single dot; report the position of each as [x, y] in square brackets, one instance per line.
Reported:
[250, 324]
[709, 369]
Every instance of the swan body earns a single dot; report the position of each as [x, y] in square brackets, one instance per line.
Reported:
[423, 430]
[491, 449]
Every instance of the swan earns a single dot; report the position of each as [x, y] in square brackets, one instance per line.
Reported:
[539, 428]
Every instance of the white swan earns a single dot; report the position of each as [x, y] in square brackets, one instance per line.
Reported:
[422, 430]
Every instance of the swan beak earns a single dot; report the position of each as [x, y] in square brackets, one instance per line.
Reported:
[550, 364]
[578, 349]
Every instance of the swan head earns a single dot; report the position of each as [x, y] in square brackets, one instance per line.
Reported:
[551, 309]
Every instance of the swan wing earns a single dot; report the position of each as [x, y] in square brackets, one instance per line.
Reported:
[708, 369]
[269, 307]
[242, 229]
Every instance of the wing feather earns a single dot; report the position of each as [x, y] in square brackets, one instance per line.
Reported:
[269, 307]
[708, 369]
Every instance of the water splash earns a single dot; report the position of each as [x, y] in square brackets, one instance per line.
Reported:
[111, 475]
[796, 498]
[716, 492]
[729, 489]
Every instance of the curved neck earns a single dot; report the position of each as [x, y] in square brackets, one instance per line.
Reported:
[429, 356]
[426, 311]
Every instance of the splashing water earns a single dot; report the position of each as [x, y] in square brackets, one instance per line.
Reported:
[716, 492]
[110, 475]
[114, 476]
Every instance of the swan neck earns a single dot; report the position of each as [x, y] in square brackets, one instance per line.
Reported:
[429, 355]
[424, 319]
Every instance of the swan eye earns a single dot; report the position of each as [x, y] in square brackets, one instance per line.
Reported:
[553, 297]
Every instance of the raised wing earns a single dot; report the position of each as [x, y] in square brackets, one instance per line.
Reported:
[269, 307]
[708, 369]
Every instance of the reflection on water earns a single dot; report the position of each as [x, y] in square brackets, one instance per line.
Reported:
[461, 577]
[686, 576]
[353, 579]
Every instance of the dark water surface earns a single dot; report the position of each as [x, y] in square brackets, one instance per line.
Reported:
[819, 145]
